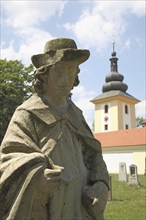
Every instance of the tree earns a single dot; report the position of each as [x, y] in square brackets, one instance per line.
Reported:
[139, 121]
[15, 87]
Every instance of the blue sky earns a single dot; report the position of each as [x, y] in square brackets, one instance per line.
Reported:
[27, 25]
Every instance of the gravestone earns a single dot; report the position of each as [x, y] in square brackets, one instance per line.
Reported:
[133, 177]
[122, 172]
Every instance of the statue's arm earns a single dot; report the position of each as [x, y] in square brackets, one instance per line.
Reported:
[94, 195]
[22, 140]
[22, 164]
[23, 167]
[97, 170]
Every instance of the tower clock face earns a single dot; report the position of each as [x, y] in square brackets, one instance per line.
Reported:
[106, 118]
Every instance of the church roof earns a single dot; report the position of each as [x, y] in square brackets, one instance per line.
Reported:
[114, 80]
[129, 137]
[113, 93]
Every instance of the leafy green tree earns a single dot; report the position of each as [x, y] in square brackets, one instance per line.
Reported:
[139, 121]
[15, 87]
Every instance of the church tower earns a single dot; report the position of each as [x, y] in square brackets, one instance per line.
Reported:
[114, 108]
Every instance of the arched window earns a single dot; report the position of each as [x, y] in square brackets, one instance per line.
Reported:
[106, 109]
[126, 109]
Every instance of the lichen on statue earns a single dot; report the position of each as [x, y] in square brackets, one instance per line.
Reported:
[51, 165]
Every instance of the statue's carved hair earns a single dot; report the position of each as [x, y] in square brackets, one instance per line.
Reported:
[40, 79]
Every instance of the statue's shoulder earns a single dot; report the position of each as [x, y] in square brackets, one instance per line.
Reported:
[33, 103]
[75, 108]
[34, 106]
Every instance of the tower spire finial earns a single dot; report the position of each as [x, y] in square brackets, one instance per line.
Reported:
[113, 45]
[113, 52]
[114, 80]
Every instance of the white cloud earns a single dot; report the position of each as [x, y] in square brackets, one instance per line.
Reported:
[95, 31]
[31, 44]
[104, 22]
[97, 26]
[141, 109]
[9, 52]
[22, 14]
[138, 7]
[23, 17]
[112, 9]
[81, 98]
[127, 44]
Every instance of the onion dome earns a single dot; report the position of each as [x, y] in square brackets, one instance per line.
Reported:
[114, 80]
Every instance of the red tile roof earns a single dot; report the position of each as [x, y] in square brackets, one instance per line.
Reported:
[129, 137]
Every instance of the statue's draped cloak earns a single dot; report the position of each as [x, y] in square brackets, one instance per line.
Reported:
[25, 194]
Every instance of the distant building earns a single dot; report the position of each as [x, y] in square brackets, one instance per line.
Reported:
[115, 123]
[127, 146]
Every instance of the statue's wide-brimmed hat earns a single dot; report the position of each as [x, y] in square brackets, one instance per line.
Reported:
[61, 49]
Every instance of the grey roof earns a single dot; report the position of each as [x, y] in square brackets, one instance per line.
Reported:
[114, 85]
[112, 94]
[114, 80]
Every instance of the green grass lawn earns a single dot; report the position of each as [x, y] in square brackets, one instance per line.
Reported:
[128, 203]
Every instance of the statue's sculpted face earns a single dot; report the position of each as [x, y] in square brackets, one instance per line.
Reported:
[61, 78]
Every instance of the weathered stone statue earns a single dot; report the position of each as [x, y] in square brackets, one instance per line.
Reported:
[51, 165]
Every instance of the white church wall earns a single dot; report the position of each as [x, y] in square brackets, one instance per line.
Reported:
[112, 161]
[139, 161]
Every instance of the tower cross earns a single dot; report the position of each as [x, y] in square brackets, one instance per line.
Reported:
[113, 45]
